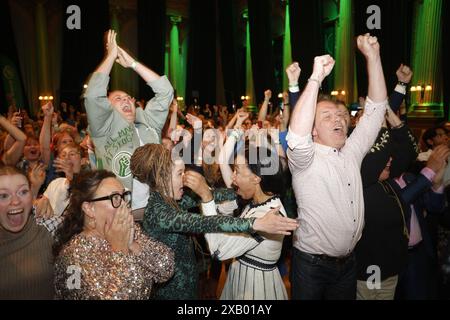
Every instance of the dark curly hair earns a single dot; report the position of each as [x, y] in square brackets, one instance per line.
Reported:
[81, 189]
[265, 163]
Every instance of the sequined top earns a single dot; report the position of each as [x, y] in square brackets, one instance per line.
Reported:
[87, 268]
[173, 227]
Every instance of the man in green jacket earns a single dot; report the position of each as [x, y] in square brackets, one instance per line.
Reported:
[116, 126]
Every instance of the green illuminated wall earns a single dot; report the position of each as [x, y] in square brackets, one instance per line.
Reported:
[249, 87]
[174, 55]
[344, 70]
[287, 52]
[427, 59]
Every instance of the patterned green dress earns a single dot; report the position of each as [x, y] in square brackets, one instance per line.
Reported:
[173, 227]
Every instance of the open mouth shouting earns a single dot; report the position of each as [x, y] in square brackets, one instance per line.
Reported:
[339, 129]
[16, 218]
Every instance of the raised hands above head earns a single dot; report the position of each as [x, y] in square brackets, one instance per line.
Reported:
[241, 117]
[293, 73]
[368, 46]
[111, 48]
[48, 109]
[404, 73]
[323, 65]
[125, 59]
[194, 121]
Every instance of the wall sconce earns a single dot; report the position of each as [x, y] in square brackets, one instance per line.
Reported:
[45, 98]
[180, 98]
[420, 89]
[338, 93]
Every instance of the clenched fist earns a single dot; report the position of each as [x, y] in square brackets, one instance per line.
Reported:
[404, 73]
[322, 67]
[47, 109]
[368, 46]
[293, 73]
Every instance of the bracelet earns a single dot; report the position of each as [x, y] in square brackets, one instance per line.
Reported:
[315, 80]
[404, 84]
[293, 85]
[286, 104]
[133, 65]
[401, 125]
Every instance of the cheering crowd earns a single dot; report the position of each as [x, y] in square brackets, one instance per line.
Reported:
[147, 201]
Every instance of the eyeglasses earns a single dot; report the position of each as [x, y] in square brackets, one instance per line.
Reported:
[116, 198]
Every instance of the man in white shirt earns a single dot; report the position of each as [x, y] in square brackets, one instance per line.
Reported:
[325, 168]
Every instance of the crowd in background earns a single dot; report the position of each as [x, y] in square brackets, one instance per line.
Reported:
[145, 200]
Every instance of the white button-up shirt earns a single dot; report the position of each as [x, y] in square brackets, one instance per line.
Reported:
[328, 187]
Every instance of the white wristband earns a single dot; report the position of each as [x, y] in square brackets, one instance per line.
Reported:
[133, 65]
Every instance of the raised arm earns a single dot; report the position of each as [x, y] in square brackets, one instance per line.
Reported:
[98, 108]
[196, 141]
[404, 75]
[285, 113]
[127, 61]
[224, 157]
[227, 150]
[293, 72]
[173, 117]
[232, 122]
[370, 48]
[45, 134]
[263, 111]
[366, 131]
[12, 155]
[110, 53]
[157, 108]
[302, 118]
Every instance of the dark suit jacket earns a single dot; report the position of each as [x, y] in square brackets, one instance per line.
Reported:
[428, 200]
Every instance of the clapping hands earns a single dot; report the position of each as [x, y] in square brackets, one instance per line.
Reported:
[111, 47]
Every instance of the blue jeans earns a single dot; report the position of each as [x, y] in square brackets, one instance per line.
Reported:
[317, 278]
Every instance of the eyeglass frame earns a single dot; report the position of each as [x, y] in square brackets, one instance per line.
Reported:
[110, 197]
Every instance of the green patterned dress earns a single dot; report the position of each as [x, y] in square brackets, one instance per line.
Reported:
[173, 227]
